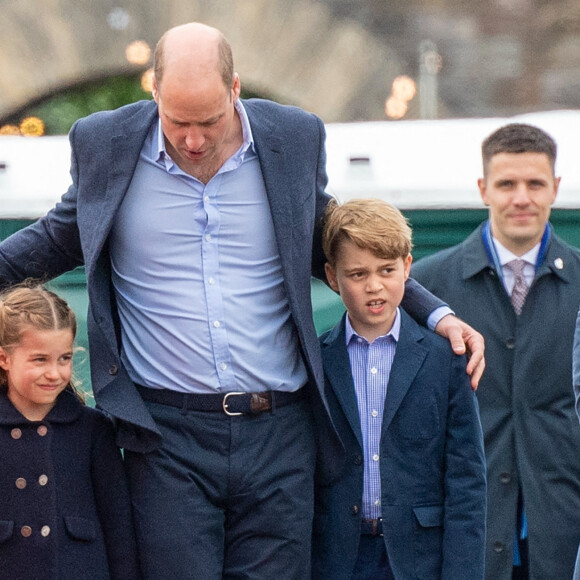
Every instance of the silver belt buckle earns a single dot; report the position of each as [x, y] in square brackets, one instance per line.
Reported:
[225, 405]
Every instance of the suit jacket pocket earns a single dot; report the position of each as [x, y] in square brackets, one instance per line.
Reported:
[6, 530]
[429, 516]
[428, 540]
[80, 528]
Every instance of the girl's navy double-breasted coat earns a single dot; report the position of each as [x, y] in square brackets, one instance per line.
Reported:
[64, 503]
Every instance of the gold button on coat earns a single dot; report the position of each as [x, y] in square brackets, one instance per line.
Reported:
[44, 531]
[16, 433]
[42, 430]
[43, 479]
[20, 483]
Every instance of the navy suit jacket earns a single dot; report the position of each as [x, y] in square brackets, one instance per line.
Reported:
[105, 150]
[432, 464]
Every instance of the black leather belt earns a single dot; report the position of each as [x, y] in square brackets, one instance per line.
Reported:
[232, 403]
[370, 527]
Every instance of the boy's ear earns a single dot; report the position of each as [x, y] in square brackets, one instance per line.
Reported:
[331, 277]
[3, 359]
[407, 265]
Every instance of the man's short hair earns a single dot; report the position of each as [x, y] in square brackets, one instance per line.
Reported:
[518, 138]
[225, 61]
[371, 224]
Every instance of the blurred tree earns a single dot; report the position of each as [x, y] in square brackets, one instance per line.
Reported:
[60, 110]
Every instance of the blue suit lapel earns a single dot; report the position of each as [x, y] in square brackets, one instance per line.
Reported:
[339, 374]
[408, 360]
[278, 182]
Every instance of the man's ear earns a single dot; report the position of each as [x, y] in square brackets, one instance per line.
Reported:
[331, 277]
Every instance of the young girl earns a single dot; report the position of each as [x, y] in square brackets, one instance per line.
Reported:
[64, 503]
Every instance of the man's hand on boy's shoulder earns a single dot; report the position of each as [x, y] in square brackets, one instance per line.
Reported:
[464, 339]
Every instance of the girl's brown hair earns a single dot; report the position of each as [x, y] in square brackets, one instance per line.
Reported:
[31, 306]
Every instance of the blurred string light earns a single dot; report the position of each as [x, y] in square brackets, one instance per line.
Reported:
[32, 127]
[147, 80]
[395, 108]
[432, 61]
[9, 130]
[403, 89]
[138, 52]
[29, 127]
[118, 18]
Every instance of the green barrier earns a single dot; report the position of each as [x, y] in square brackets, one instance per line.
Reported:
[433, 230]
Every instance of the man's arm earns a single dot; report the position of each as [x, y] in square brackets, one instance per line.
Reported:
[48, 247]
[576, 365]
[464, 339]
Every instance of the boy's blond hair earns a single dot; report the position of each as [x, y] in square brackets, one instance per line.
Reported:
[371, 224]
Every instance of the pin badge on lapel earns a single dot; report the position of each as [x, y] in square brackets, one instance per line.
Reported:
[559, 263]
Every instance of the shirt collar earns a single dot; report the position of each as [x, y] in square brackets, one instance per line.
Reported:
[159, 153]
[351, 334]
[505, 255]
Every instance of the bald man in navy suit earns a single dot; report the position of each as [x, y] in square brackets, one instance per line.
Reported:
[195, 217]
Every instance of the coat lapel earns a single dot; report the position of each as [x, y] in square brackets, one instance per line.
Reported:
[270, 150]
[338, 372]
[409, 358]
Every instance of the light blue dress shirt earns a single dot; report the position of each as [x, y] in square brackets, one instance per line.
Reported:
[198, 278]
[371, 367]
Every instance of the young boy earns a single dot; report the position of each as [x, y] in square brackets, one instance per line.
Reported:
[410, 502]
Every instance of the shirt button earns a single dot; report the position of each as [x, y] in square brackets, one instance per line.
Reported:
[375, 457]
[223, 366]
[217, 323]
[374, 371]
[211, 281]
[43, 479]
[505, 477]
[20, 483]
[16, 433]
[26, 531]
[45, 531]
[375, 413]
[206, 199]
[207, 237]
[42, 430]
[377, 502]
[498, 547]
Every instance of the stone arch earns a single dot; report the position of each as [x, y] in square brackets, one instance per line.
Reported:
[294, 51]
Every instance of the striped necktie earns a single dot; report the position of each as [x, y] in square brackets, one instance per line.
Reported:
[520, 289]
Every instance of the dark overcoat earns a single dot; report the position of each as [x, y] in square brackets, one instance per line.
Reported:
[64, 503]
[432, 465]
[532, 436]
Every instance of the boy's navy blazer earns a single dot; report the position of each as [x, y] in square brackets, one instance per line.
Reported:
[434, 525]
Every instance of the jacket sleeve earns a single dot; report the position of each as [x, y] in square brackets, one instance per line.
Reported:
[465, 482]
[576, 365]
[47, 248]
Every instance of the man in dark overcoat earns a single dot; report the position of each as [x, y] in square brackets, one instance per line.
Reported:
[532, 436]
